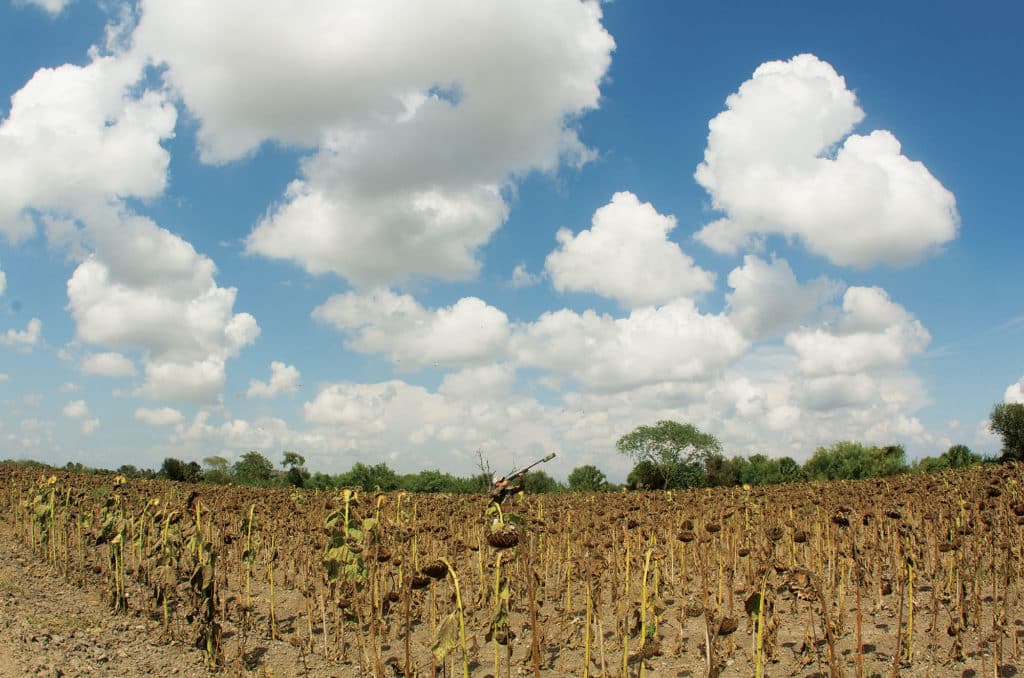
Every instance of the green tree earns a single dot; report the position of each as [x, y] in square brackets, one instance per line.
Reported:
[370, 478]
[176, 469]
[722, 472]
[759, 470]
[254, 469]
[587, 478]
[436, 481]
[296, 474]
[321, 481]
[959, 456]
[218, 470]
[889, 460]
[539, 482]
[480, 482]
[1007, 421]
[788, 470]
[686, 475]
[129, 471]
[646, 476]
[850, 460]
[673, 449]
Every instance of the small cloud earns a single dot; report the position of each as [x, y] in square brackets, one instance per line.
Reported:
[163, 416]
[108, 365]
[26, 338]
[76, 409]
[283, 379]
[626, 255]
[51, 7]
[523, 278]
[3, 377]
[68, 387]
[1014, 393]
[90, 425]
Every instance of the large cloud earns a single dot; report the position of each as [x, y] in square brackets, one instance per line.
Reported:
[79, 141]
[769, 165]
[76, 134]
[627, 256]
[872, 332]
[767, 300]
[465, 333]
[149, 290]
[420, 114]
[417, 428]
[672, 342]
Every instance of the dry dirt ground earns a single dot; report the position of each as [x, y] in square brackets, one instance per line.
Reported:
[49, 627]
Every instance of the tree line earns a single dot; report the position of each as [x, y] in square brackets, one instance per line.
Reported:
[666, 455]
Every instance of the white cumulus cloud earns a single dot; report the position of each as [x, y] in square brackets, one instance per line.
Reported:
[283, 379]
[79, 141]
[486, 382]
[417, 125]
[781, 160]
[148, 289]
[626, 255]
[653, 344]
[523, 278]
[767, 300]
[466, 333]
[51, 7]
[76, 134]
[871, 332]
[26, 338]
[1015, 393]
[163, 416]
[76, 409]
[108, 365]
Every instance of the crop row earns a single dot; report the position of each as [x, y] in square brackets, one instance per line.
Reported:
[845, 577]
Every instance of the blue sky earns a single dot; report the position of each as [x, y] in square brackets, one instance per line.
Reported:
[408, 233]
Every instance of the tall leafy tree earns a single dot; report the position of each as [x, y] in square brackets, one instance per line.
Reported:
[587, 478]
[218, 470]
[646, 476]
[254, 469]
[176, 469]
[848, 460]
[722, 472]
[959, 456]
[673, 449]
[370, 478]
[539, 482]
[1007, 421]
[296, 473]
